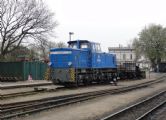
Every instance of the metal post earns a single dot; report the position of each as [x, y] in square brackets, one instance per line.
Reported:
[120, 61]
[149, 73]
[149, 69]
[70, 33]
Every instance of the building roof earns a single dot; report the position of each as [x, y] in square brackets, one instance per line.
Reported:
[120, 48]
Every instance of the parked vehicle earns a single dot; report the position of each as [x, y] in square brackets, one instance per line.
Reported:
[82, 63]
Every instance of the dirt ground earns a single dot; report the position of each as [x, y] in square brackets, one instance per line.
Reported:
[97, 108]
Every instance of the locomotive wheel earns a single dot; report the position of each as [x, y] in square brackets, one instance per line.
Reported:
[115, 81]
[85, 82]
[53, 81]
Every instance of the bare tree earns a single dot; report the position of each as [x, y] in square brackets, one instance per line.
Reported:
[44, 47]
[52, 44]
[23, 20]
[60, 45]
[20, 52]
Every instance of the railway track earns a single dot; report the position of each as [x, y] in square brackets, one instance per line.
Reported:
[24, 85]
[11, 95]
[28, 107]
[140, 110]
[35, 90]
[148, 114]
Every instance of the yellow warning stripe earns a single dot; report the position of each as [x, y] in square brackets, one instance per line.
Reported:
[47, 74]
[72, 74]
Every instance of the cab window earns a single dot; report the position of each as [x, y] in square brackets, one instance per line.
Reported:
[93, 48]
[73, 45]
[98, 48]
[84, 45]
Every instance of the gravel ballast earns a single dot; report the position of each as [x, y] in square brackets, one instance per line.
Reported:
[99, 107]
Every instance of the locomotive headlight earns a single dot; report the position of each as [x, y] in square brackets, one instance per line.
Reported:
[50, 63]
[69, 63]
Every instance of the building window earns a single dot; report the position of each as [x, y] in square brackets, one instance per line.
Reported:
[131, 57]
[124, 56]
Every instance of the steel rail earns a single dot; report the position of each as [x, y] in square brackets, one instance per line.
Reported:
[135, 111]
[18, 94]
[39, 105]
[3, 106]
[25, 103]
[32, 92]
[150, 112]
[5, 96]
[24, 85]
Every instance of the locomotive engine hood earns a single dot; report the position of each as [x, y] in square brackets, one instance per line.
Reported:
[67, 57]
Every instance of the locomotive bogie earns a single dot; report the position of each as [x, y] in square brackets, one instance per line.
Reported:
[77, 77]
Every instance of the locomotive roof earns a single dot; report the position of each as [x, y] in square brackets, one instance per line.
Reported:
[81, 41]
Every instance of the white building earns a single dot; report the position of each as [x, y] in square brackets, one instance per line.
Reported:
[123, 54]
[127, 54]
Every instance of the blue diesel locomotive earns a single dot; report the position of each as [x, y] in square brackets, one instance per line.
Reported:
[81, 63]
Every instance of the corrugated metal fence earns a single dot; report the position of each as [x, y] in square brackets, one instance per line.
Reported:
[15, 71]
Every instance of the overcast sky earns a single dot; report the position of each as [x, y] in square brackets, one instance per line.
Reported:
[109, 22]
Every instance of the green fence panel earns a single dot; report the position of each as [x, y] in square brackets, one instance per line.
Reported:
[23, 69]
